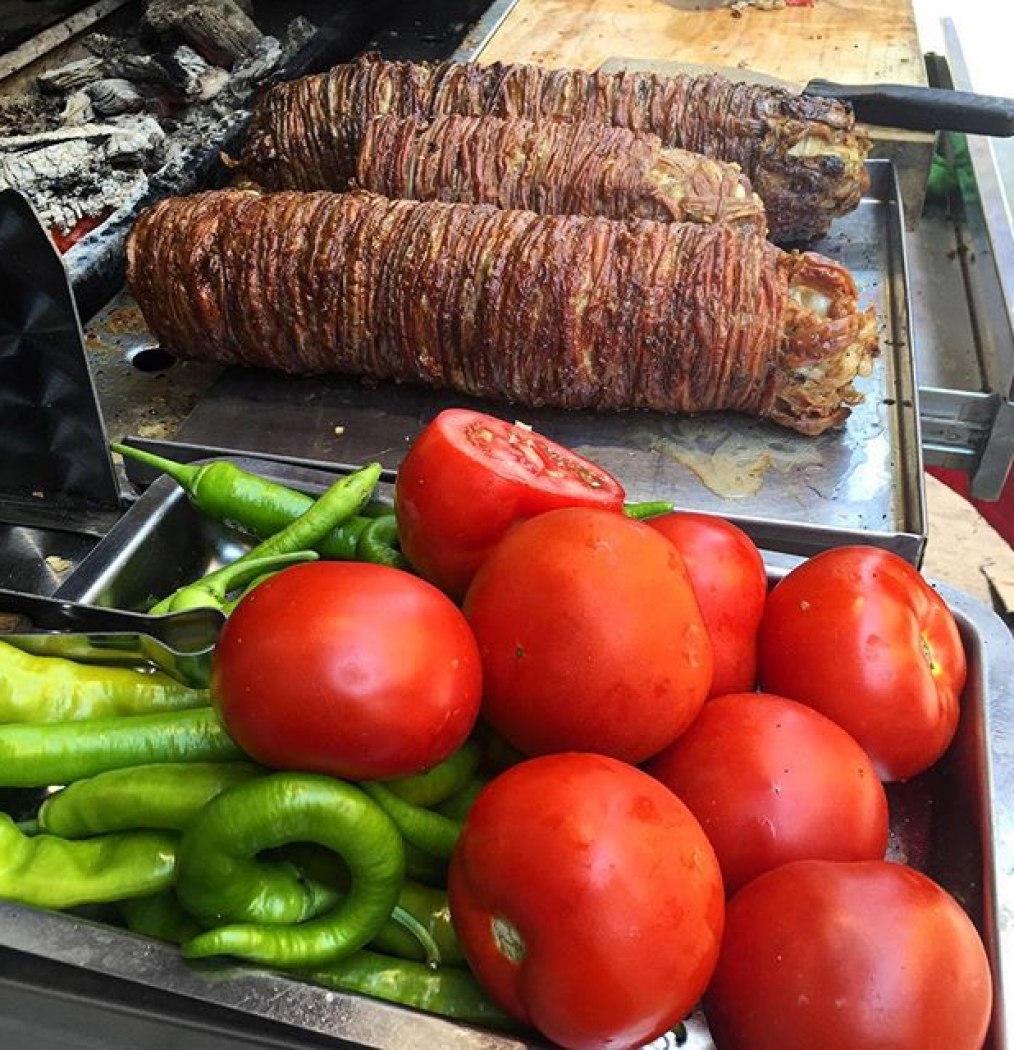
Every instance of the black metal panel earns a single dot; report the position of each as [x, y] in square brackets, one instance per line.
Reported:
[52, 438]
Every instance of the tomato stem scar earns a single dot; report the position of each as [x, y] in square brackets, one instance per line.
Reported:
[508, 940]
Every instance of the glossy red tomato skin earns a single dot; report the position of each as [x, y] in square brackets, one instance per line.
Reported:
[858, 634]
[730, 581]
[839, 955]
[355, 670]
[469, 476]
[604, 891]
[590, 636]
[773, 781]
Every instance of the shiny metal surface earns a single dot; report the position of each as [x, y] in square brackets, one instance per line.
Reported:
[962, 257]
[967, 846]
[790, 492]
[52, 440]
[179, 643]
[484, 28]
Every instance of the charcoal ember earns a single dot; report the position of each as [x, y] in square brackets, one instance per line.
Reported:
[260, 63]
[71, 76]
[48, 158]
[196, 79]
[24, 114]
[26, 169]
[113, 96]
[219, 30]
[298, 33]
[77, 110]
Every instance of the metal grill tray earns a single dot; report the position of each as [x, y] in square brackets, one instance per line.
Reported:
[792, 493]
[63, 978]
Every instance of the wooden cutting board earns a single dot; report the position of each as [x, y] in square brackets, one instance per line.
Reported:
[854, 41]
[849, 41]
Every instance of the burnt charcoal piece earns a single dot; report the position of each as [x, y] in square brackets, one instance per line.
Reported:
[565, 311]
[803, 155]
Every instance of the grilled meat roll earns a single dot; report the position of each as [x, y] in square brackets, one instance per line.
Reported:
[565, 311]
[552, 168]
[803, 155]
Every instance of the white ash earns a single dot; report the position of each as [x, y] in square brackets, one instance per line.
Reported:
[198, 80]
[76, 172]
[101, 134]
[112, 96]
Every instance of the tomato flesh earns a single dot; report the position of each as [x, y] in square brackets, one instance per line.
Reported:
[469, 476]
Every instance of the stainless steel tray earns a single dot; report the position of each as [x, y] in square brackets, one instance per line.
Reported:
[792, 493]
[955, 823]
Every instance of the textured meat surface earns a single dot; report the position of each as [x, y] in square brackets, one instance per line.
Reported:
[565, 311]
[552, 168]
[803, 155]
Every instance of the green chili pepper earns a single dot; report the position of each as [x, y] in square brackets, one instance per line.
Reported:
[428, 909]
[457, 806]
[160, 916]
[225, 492]
[440, 782]
[419, 927]
[378, 543]
[647, 509]
[51, 689]
[212, 591]
[49, 872]
[42, 755]
[300, 536]
[426, 829]
[448, 992]
[163, 795]
[218, 878]
[424, 867]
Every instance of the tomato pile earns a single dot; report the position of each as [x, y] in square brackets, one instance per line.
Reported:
[515, 751]
[691, 809]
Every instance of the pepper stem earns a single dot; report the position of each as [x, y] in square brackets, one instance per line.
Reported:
[184, 474]
[647, 509]
[412, 925]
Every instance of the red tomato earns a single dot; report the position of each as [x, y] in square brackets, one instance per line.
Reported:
[351, 669]
[773, 781]
[858, 634]
[838, 955]
[590, 636]
[587, 900]
[469, 476]
[731, 584]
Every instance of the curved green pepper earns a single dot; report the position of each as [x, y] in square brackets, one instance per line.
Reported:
[49, 872]
[425, 829]
[41, 755]
[220, 881]
[160, 916]
[40, 689]
[165, 795]
[256, 505]
[439, 783]
[445, 991]
[296, 540]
